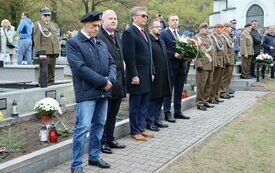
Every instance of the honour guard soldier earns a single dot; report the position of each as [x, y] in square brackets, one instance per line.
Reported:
[246, 51]
[218, 58]
[45, 35]
[204, 68]
[229, 61]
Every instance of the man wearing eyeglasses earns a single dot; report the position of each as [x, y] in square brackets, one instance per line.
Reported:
[94, 74]
[177, 69]
[45, 37]
[137, 52]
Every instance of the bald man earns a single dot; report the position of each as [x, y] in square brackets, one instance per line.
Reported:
[111, 38]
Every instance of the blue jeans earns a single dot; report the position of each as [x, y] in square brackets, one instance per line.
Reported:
[138, 112]
[90, 117]
[25, 50]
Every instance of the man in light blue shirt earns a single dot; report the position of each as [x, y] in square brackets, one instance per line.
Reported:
[25, 39]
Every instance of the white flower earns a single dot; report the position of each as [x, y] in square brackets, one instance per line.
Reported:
[47, 105]
[183, 39]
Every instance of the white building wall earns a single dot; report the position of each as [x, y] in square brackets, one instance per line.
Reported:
[240, 12]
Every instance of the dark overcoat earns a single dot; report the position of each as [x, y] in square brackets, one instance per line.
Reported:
[138, 58]
[92, 66]
[161, 85]
[115, 49]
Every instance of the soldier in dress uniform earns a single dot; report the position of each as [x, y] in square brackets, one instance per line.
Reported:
[218, 58]
[45, 37]
[229, 61]
[204, 69]
[246, 51]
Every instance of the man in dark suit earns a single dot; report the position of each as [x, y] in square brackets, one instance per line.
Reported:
[138, 58]
[177, 70]
[111, 38]
[161, 84]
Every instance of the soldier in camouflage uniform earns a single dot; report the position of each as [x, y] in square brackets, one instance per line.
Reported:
[45, 35]
[229, 61]
[204, 69]
[218, 58]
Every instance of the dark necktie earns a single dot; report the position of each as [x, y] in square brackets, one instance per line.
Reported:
[175, 34]
[93, 39]
[144, 35]
[113, 37]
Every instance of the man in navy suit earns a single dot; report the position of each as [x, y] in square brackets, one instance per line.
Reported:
[177, 69]
[137, 53]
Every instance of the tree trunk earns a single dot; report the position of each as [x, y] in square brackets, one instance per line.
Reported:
[86, 5]
[93, 5]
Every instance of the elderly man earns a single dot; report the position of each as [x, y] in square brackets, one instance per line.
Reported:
[139, 66]
[94, 74]
[246, 51]
[111, 38]
[177, 69]
[45, 37]
[236, 37]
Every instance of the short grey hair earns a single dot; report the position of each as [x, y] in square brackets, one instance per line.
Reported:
[135, 10]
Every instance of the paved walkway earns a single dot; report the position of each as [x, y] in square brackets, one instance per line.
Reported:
[150, 156]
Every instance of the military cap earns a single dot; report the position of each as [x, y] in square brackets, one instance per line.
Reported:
[203, 25]
[91, 16]
[218, 25]
[45, 10]
[247, 25]
[227, 25]
[234, 21]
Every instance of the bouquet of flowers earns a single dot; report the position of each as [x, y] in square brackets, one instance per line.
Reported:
[264, 59]
[189, 48]
[47, 106]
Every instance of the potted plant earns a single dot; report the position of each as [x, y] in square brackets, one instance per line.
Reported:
[47, 108]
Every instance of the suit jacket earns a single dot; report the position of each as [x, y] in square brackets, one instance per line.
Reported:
[161, 85]
[169, 39]
[115, 49]
[257, 40]
[138, 58]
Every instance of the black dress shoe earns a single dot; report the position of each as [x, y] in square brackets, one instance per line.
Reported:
[161, 125]
[180, 116]
[218, 100]
[106, 149]
[208, 105]
[115, 144]
[213, 102]
[152, 127]
[169, 118]
[225, 96]
[99, 163]
[201, 107]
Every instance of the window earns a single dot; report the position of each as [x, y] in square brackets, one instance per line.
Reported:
[255, 12]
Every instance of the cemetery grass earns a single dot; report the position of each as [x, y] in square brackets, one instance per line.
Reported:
[244, 145]
[30, 130]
